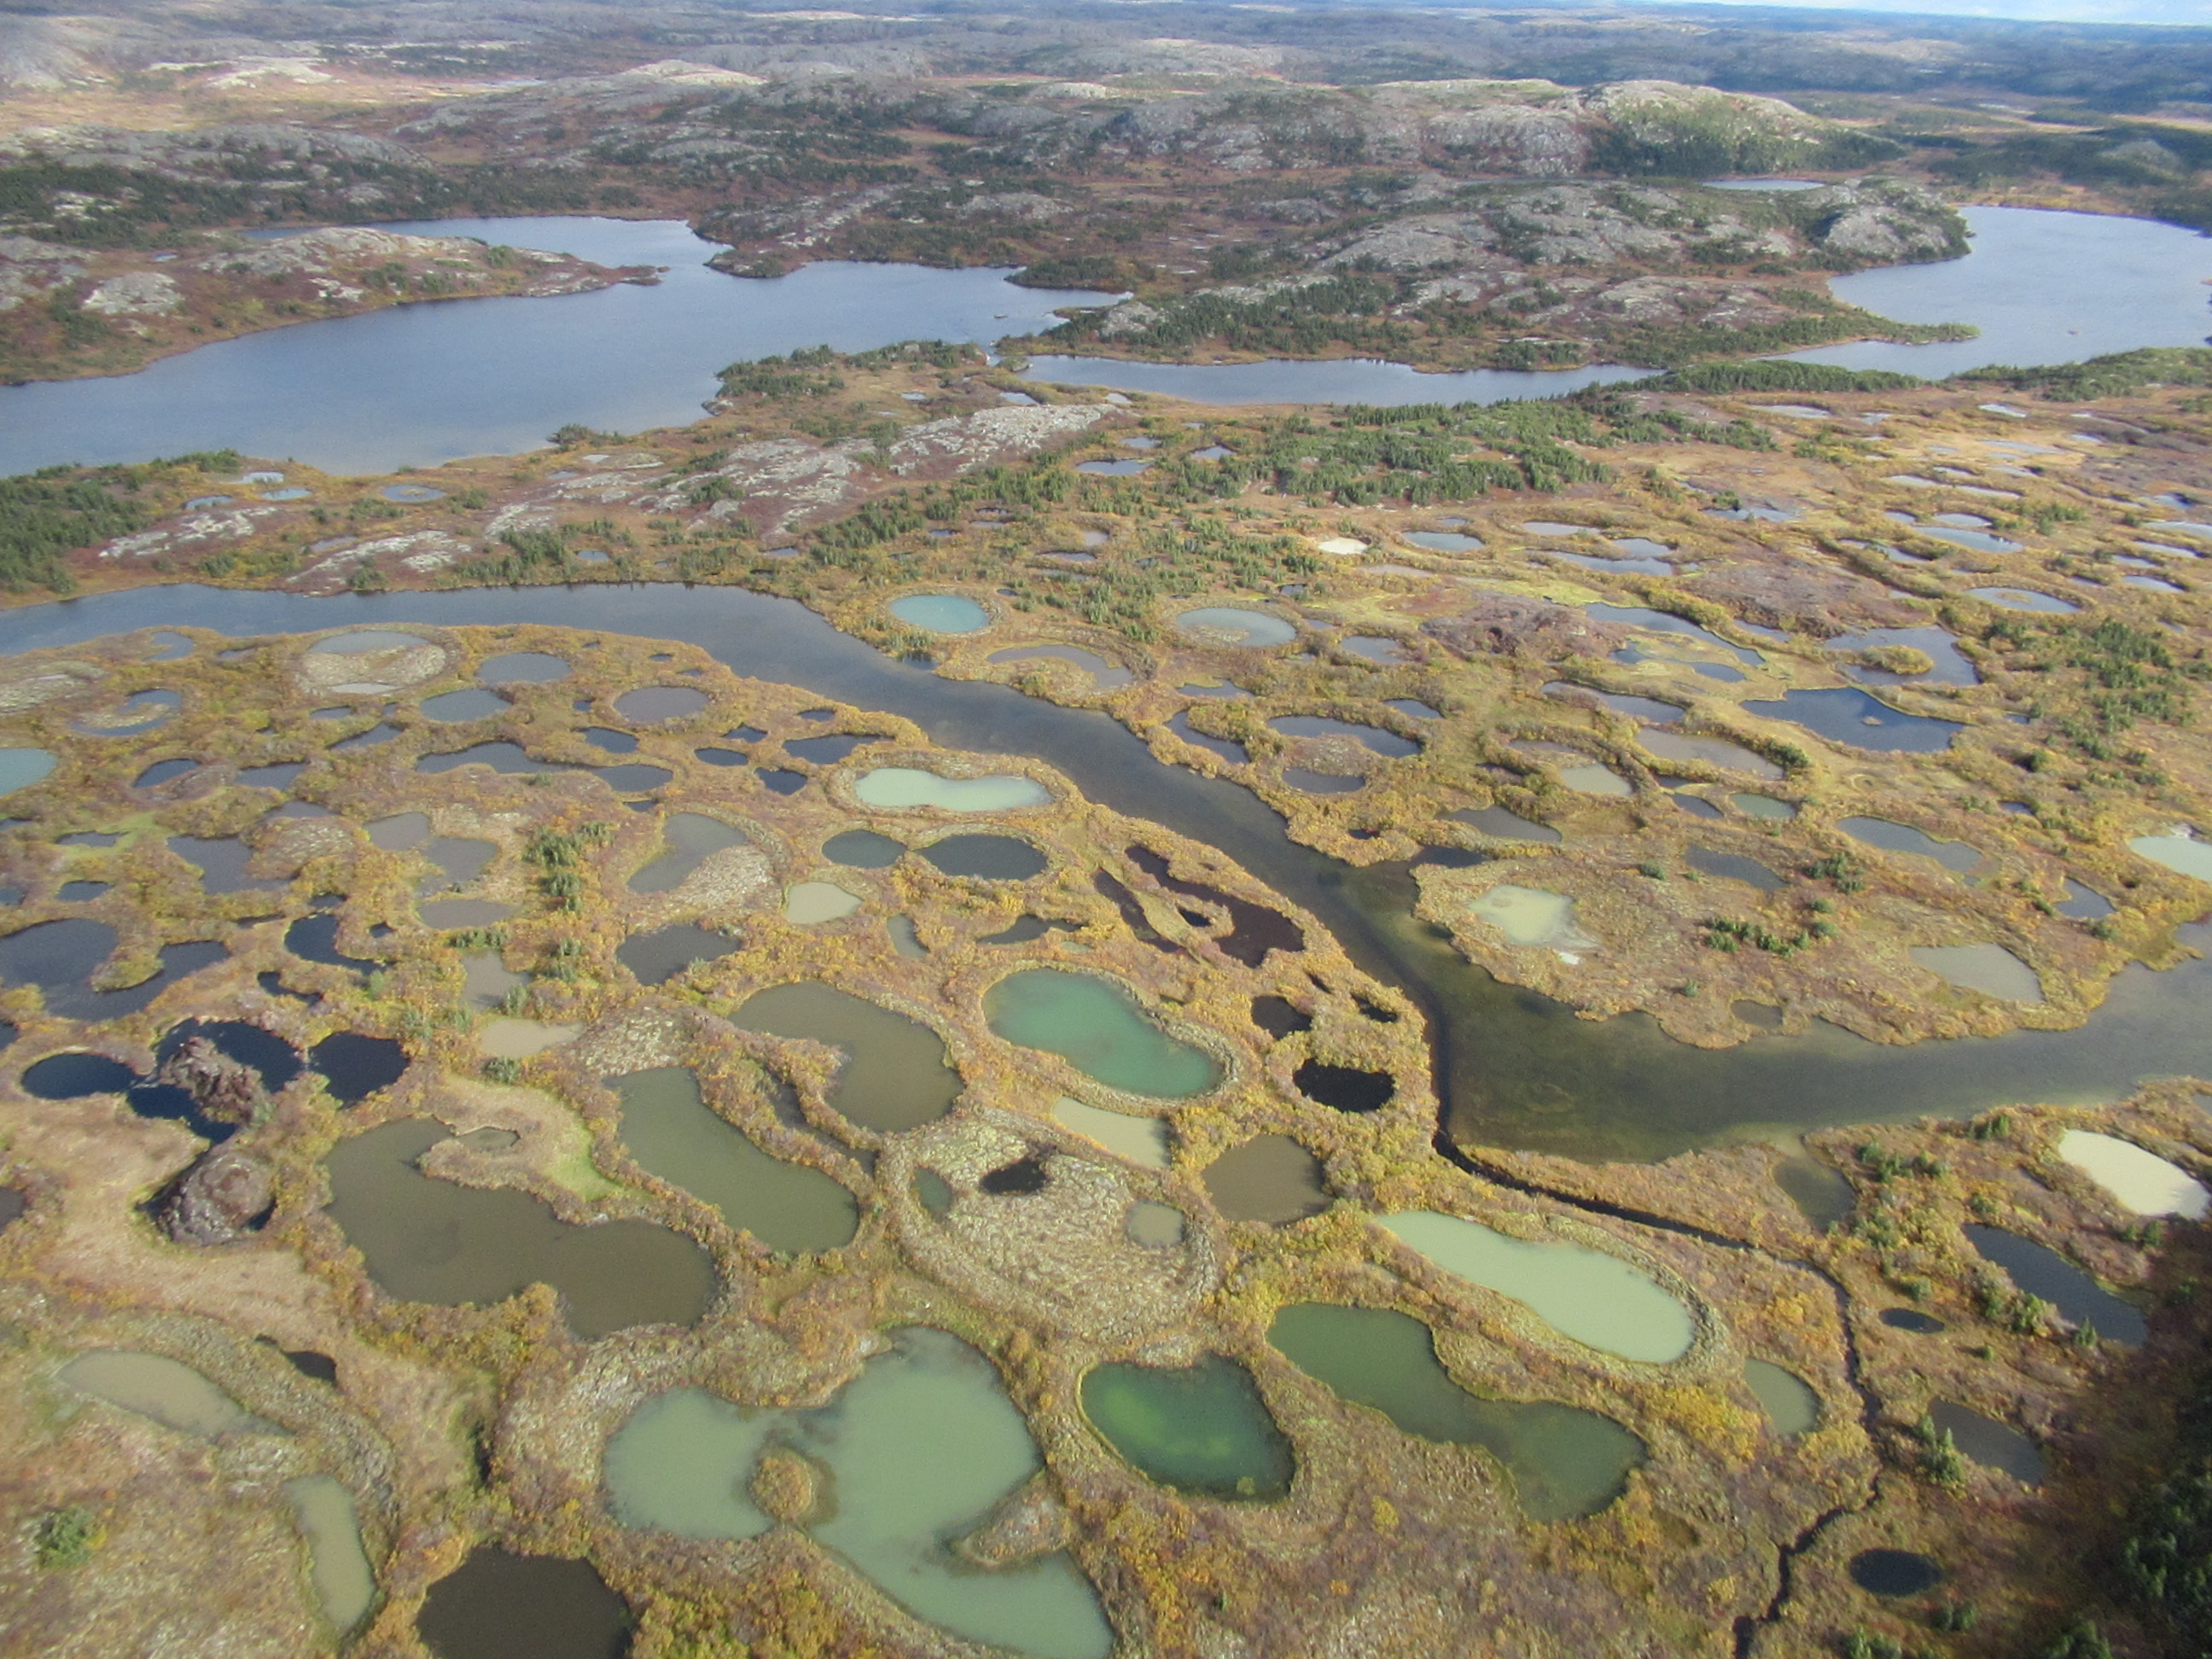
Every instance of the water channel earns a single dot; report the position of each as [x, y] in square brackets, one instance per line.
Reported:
[1516, 1068]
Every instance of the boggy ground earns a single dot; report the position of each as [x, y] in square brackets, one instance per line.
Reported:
[1479, 598]
[456, 1425]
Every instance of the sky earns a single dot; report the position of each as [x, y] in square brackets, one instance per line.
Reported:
[2198, 12]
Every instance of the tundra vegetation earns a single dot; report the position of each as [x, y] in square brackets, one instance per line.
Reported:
[321, 953]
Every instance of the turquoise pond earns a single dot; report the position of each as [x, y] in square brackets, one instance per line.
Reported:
[1097, 1026]
[941, 613]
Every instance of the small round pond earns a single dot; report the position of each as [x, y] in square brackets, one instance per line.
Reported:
[1221, 624]
[941, 613]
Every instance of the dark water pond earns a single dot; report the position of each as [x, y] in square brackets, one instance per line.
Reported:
[1844, 713]
[500, 1606]
[2041, 1271]
[1516, 1068]
[427, 383]
[1345, 380]
[354, 1066]
[1895, 1573]
[427, 1240]
[76, 1074]
[1998, 1445]
[986, 858]
[59, 957]
[863, 849]
[658, 956]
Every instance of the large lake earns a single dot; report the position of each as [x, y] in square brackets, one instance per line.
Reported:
[2043, 287]
[419, 384]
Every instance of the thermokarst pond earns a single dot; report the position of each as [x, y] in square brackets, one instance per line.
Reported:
[1096, 1027]
[918, 1450]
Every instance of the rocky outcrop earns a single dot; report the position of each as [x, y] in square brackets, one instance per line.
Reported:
[223, 1198]
[1522, 625]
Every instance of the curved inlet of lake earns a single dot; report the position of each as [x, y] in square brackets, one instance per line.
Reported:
[423, 384]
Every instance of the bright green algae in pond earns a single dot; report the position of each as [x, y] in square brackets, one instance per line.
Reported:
[1565, 1461]
[427, 1240]
[672, 1132]
[1201, 1429]
[920, 1447]
[1097, 1028]
[1581, 1293]
[894, 1076]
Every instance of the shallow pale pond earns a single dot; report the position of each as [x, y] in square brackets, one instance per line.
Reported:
[1142, 1140]
[20, 767]
[1531, 915]
[1787, 1399]
[2142, 1182]
[907, 787]
[170, 1392]
[338, 1568]
[1580, 1292]
[1233, 625]
[1988, 967]
[2179, 850]
[918, 1449]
